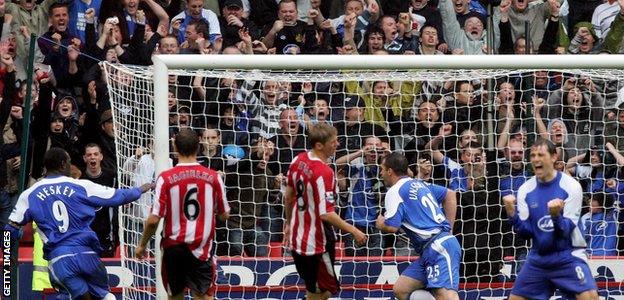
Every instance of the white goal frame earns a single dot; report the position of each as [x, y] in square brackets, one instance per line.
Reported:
[162, 64]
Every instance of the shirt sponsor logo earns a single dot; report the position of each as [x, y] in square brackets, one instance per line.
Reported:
[545, 223]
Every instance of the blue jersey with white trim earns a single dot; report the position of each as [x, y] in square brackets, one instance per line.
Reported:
[63, 209]
[415, 206]
[550, 235]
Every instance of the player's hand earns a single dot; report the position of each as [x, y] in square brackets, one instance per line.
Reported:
[360, 238]
[139, 252]
[555, 207]
[510, 205]
[380, 222]
[611, 183]
[286, 240]
[147, 187]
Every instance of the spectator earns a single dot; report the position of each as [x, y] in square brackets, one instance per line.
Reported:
[470, 39]
[32, 16]
[535, 14]
[429, 40]
[286, 34]
[232, 20]
[289, 142]
[195, 11]
[248, 195]
[361, 16]
[365, 191]
[195, 37]
[428, 123]
[106, 224]
[580, 106]
[61, 48]
[431, 14]
[603, 16]
[457, 173]
[211, 149]
[600, 226]
[353, 129]
[77, 16]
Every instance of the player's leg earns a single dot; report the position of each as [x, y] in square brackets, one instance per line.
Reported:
[174, 267]
[317, 272]
[65, 273]
[441, 260]
[588, 295]
[94, 273]
[531, 283]
[201, 277]
[406, 284]
[575, 278]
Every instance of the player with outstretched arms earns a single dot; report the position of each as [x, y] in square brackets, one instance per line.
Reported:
[309, 207]
[63, 209]
[415, 206]
[548, 212]
[190, 196]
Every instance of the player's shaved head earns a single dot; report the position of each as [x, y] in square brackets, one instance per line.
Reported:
[397, 162]
[187, 142]
[56, 160]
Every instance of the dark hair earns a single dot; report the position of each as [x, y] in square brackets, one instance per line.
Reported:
[93, 145]
[397, 162]
[459, 83]
[604, 199]
[55, 160]
[373, 30]
[472, 145]
[186, 142]
[321, 133]
[58, 5]
[201, 27]
[552, 149]
[286, 1]
[427, 25]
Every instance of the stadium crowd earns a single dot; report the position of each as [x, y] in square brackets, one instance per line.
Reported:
[251, 130]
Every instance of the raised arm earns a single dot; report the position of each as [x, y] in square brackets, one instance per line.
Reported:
[566, 222]
[99, 195]
[619, 158]
[434, 143]
[538, 105]
[518, 216]
[161, 14]
[450, 206]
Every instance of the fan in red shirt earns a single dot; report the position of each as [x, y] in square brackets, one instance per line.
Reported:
[309, 207]
[189, 196]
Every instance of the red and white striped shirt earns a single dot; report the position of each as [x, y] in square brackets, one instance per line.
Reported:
[189, 197]
[314, 186]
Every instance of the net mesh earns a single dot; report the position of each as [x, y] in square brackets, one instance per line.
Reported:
[464, 129]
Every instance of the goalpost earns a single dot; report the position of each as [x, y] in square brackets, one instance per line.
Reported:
[145, 119]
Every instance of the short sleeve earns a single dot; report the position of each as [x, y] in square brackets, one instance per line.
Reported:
[326, 191]
[220, 196]
[20, 213]
[394, 208]
[162, 198]
[438, 192]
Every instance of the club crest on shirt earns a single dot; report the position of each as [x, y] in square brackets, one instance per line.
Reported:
[545, 223]
[329, 196]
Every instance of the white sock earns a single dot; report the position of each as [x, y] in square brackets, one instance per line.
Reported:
[109, 296]
[421, 295]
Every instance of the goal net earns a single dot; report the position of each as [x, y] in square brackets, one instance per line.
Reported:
[467, 129]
